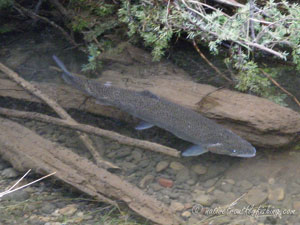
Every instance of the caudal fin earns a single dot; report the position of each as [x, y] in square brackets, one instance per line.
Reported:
[68, 77]
[61, 65]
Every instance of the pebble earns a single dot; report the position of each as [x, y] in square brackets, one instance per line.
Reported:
[230, 181]
[146, 180]
[128, 165]
[156, 187]
[182, 175]
[172, 194]
[245, 185]
[204, 200]
[123, 152]
[176, 206]
[199, 169]
[194, 221]
[48, 208]
[165, 182]
[20, 195]
[9, 173]
[226, 187]
[114, 146]
[227, 198]
[188, 205]
[137, 155]
[176, 166]
[296, 205]
[276, 194]
[68, 210]
[191, 182]
[53, 223]
[186, 214]
[209, 183]
[162, 165]
[271, 181]
[256, 197]
[223, 197]
[144, 163]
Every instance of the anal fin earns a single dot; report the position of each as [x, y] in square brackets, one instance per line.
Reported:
[143, 125]
[194, 151]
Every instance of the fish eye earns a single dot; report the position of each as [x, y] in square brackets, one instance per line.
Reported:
[234, 151]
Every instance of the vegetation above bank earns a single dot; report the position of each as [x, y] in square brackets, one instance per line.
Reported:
[243, 34]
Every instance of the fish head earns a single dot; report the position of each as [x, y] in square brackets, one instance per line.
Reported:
[232, 145]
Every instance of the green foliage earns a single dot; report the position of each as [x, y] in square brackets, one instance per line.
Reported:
[146, 20]
[79, 24]
[93, 63]
[93, 20]
[271, 29]
[5, 28]
[6, 3]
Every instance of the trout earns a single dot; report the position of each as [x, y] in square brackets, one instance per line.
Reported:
[153, 110]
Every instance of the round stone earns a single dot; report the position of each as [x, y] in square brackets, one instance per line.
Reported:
[186, 214]
[162, 165]
[176, 206]
[182, 176]
[199, 169]
[176, 166]
[9, 173]
[276, 194]
[256, 197]
[165, 182]
[146, 180]
[204, 200]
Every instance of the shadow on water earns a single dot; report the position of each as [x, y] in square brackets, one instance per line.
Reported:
[272, 177]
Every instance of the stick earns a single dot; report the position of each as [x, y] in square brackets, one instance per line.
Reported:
[281, 88]
[92, 130]
[34, 16]
[59, 110]
[209, 63]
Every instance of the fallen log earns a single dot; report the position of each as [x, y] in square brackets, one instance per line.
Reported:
[31, 151]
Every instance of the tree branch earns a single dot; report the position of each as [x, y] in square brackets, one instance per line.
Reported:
[92, 130]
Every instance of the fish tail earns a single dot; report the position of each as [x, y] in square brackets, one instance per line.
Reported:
[67, 76]
[62, 66]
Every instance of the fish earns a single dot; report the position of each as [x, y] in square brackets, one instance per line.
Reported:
[153, 110]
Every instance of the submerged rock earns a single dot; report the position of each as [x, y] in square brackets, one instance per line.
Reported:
[161, 166]
[256, 196]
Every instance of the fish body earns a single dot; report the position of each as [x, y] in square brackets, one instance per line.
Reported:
[205, 134]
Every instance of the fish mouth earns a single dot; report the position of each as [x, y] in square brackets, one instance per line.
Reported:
[248, 155]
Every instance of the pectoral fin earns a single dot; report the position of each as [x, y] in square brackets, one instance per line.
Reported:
[143, 125]
[102, 102]
[194, 151]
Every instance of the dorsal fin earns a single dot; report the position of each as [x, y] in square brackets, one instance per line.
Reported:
[149, 94]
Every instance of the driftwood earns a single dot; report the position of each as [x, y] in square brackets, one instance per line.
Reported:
[59, 110]
[92, 130]
[31, 151]
[263, 123]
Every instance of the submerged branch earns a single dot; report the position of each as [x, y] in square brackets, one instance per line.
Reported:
[59, 110]
[281, 88]
[92, 130]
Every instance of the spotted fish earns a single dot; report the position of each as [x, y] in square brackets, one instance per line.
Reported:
[153, 110]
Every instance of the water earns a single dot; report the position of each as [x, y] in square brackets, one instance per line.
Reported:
[271, 179]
